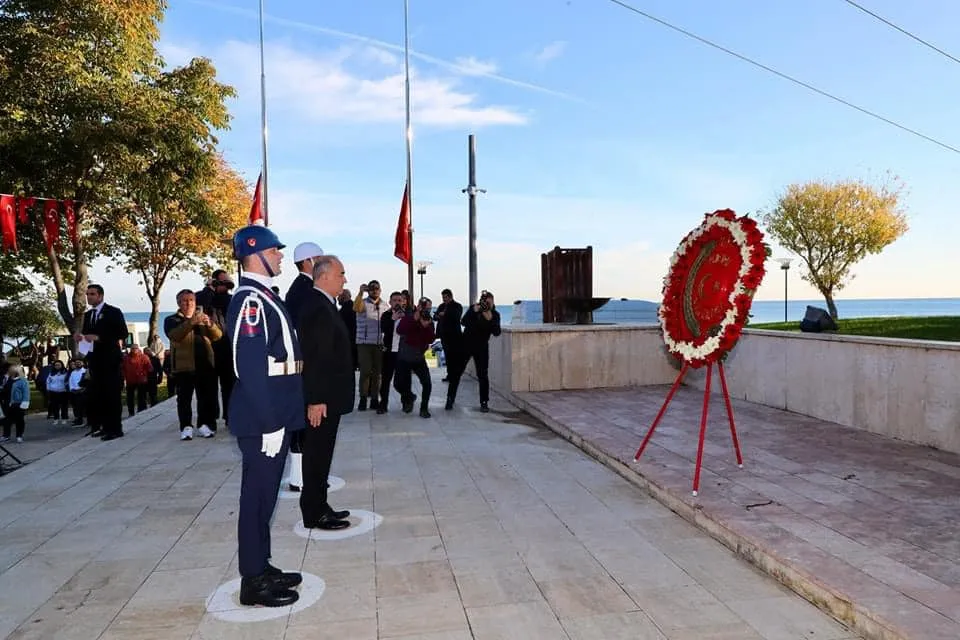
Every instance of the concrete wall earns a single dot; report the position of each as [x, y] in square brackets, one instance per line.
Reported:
[904, 389]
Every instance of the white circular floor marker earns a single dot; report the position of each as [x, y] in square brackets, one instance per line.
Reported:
[361, 522]
[224, 603]
[335, 485]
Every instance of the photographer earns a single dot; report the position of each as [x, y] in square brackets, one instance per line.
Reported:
[481, 321]
[416, 335]
[214, 300]
[391, 345]
[448, 317]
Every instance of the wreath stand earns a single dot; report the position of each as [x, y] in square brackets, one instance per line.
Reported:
[5, 453]
[703, 418]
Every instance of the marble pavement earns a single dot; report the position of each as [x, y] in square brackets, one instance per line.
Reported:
[492, 527]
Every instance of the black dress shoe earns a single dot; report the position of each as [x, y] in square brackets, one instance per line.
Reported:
[264, 592]
[95, 433]
[327, 523]
[449, 404]
[282, 579]
[337, 515]
[381, 409]
[294, 488]
[484, 408]
[424, 413]
[111, 436]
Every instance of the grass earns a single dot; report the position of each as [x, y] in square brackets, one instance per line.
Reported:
[945, 328]
[37, 405]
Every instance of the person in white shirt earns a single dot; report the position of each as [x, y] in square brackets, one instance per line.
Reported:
[77, 387]
[57, 394]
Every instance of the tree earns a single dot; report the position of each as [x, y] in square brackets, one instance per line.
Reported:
[834, 225]
[30, 319]
[160, 236]
[74, 77]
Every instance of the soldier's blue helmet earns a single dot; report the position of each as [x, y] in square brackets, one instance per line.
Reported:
[253, 239]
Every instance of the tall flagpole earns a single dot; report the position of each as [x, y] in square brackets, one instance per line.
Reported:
[263, 124]
[409, 135]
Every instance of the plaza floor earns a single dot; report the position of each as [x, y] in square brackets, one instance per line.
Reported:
[470, 526]
[863, 525]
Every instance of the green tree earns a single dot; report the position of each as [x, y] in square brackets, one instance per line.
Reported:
[75, 76]
[27, 322]
[834, 225]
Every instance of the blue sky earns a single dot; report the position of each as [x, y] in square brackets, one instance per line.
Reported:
[594, 126]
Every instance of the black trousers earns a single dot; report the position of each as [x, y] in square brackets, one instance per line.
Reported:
[403, 379]
[259, 486]
[138, 392]
[204, 385]
[104, 406]
[318, 445]
[386, 376]
[14, 417]
[78, 399]
[59, 405]
[481, 361]
[152, 393]
[224, 379]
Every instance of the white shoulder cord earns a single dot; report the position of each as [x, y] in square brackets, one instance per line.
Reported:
[258, 316]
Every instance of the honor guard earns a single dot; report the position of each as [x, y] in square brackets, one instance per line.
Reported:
[266, 406]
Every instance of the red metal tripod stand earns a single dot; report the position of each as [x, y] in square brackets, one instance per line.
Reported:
[703, 418]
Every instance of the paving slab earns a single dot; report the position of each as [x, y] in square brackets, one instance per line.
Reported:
[490, 526]
[862, 525]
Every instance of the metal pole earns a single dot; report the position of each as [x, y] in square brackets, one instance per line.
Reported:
[421, 283]
[263, 122]
[785, 270]
[472, 192]
[409, 135]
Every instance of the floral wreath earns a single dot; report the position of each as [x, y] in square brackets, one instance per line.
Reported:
[709, 288]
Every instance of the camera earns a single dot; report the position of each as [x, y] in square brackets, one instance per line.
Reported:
[397, 308]
[484, 301]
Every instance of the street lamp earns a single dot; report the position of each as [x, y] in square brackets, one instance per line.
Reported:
[784, 266]
[422, 271]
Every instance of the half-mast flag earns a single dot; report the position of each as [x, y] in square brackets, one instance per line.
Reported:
[8, 222]
[51, 223]
[401, 243]
[256, 211]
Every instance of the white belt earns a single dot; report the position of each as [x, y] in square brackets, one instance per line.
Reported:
[284, 368]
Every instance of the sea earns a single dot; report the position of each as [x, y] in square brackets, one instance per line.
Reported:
[634, 311]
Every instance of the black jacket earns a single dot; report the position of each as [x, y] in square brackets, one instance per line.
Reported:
[350, 319]
[477, 329]
[327, 355]
[111, 331]
[297, 294]
[448, 327]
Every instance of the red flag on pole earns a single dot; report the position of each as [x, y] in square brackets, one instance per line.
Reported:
[71, 215]
[256, 211]
[51, 223]
[22, 205]
[8, 222]
[401, 243]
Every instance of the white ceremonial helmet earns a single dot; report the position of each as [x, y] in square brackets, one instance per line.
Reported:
[306, 250]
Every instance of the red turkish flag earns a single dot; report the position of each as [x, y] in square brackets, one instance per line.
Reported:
[401, 242]
[256, 211]
[8, 222]
[51, 223]
[71, 215]
[22, 205]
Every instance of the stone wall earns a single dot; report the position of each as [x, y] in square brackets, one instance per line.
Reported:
[905, 389]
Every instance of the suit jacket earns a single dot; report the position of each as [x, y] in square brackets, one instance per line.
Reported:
[111, 330]
[448, 327]
[298, 292]
[327, 355]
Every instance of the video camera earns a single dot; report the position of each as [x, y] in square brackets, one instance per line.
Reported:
[484, 301]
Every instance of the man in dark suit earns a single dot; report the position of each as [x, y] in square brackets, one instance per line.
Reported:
[448, 317]
[304, 255]
[104, 331]
[329, 389]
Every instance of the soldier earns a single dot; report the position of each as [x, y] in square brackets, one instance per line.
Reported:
[266, 405]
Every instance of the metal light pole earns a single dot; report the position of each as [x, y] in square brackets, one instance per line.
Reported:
[785, 267]
[472, 192]
[422, 271]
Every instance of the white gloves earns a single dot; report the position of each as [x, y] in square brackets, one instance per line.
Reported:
[272, 443]
[25, 405]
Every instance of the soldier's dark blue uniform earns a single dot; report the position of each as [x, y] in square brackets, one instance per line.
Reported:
[268, 396]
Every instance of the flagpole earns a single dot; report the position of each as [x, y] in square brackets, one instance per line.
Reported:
[263, 124]
[409, 136]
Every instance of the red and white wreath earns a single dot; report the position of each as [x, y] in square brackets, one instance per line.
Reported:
[709, 288]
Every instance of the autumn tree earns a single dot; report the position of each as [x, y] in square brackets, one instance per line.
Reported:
[31, 319]
[74, 76]
[834, 225]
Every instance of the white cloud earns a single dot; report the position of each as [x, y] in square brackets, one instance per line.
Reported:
[355, 85]
[474, 67]
[551, 52]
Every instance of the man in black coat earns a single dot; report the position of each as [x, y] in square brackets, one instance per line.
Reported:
[300, 289]
[104, 331]
[350, 319]
[448, 317]
[214, 300]
[329, 389]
